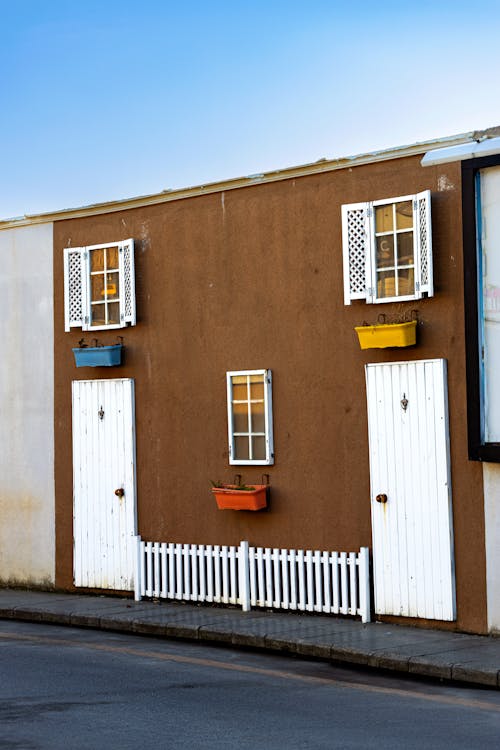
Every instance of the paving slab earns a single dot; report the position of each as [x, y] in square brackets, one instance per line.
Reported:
[433, 653]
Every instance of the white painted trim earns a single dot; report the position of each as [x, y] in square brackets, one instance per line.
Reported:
[268, 417]
[86, 286]
[370, 295]
[461, 152]
[165, 196]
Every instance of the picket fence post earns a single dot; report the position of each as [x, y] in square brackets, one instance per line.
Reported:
[244, 577]
[364, 584]
[137, 576]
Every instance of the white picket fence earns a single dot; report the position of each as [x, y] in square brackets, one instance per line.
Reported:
[310, 581]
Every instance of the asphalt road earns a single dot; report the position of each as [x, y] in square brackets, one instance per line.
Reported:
[69, 688]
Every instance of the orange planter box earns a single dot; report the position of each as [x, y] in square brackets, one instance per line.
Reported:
[230, 498]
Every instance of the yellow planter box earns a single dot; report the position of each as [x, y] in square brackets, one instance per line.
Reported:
[387, 334]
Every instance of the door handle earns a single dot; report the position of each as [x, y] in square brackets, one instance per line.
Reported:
[381, 498]
[120, 492]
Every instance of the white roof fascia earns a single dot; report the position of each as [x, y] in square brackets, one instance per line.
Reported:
[288, 173]
[472, 150]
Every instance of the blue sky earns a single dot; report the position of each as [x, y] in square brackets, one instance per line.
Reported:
[106, 100]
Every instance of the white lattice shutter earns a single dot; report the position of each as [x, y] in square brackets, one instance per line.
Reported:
[356, 236]
[423, 234]
[127, 282]
[75, 287]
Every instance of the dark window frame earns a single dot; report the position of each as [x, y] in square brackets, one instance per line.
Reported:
[479, 450]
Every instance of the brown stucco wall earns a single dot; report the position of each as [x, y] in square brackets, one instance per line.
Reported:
[249, 279]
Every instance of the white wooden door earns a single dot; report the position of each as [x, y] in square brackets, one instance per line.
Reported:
[410, 489]
[104, 505]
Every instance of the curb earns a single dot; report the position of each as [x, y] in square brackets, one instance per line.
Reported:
[208, 632]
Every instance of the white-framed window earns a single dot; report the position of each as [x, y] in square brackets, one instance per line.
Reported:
[99, 286]
[250, 417]
[387, 248]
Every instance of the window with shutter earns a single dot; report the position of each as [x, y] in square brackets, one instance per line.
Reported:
[387, 248]
[249, 416]
[99, 286]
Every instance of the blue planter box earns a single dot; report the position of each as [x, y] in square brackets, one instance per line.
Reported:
[98, 356]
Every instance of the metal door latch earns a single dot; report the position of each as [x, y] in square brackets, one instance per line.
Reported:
[100, 413]
[404, 402]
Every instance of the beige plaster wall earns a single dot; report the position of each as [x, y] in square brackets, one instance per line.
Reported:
[27, 529]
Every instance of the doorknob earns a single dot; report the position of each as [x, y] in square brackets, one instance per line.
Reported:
[120, 492]
[381, 498]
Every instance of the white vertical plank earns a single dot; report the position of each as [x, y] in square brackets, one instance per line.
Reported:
[149, 569]
[178, 572]
[343, 584]
[318, 588]
[268, 562]
[210, 568]
[156, 555]
[252, 568]
[164, 571]
[202, 575]
[301, 572]
[364, 584]
[293, 578]
[285, 596]
[261, 596]
[225, 574]
[275, 556]
[335, 583]
[232, 576]
[142, 563]
[308, 557]
[244, 576]
[171, 570]
[325, 573]
[353, 584]
[186, 589]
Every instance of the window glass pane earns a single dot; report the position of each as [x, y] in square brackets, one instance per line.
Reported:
[406, 282]
[258, 417]
[386, 284]
[240, 418]
[98, 313]
[240, 392]
[112, 290]
[112, 258]
[404, 215]
[113, 312]
[259, 448]
[490, 246]
[385, 251]
[97, 260]
[384, 218]
[97, 286]
[241, 448]
[257, 387]
[405, 249]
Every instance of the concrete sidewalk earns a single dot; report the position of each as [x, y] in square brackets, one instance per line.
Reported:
[432, 653]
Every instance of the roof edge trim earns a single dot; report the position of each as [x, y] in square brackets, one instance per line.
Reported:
[471, 150]
[318, 167]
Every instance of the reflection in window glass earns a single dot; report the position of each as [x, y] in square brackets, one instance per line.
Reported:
[394, 241]
[248, 397]
[104, 287]
[490, 246]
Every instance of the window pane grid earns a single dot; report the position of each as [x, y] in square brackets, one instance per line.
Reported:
[254, 439]
[106, 261]
[394, 250]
